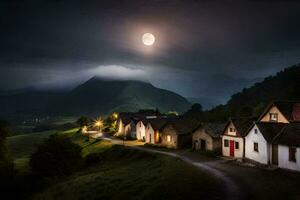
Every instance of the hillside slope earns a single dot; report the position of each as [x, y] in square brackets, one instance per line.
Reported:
[285, 85]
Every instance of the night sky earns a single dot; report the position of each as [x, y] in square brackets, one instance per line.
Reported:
[205, 49]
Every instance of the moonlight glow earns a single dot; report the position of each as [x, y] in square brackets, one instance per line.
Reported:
[148, 39]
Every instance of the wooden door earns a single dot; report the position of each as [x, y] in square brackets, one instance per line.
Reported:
[274, 154]
[231, 147]
[203, 145]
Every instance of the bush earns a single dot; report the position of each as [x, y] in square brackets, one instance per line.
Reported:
[57, 156]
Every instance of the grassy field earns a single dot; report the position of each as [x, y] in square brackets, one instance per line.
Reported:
[131, 174]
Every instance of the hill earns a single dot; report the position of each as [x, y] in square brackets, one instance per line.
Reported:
[285, 85]
[94, 97]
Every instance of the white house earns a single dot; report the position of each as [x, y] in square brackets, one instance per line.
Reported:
[153, 130]
[141, 129]
[258, 142]
[288, 142]
[233, 137]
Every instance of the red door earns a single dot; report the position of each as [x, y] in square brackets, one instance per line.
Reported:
[231, 146]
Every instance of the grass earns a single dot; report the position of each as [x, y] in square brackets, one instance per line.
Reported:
[21, 146]
[131, 174]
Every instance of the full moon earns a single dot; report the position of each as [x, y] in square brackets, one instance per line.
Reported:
[148, 39]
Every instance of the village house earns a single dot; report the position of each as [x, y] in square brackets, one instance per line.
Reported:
[208, 137]
[154, 130]
[177, 133]
[127, 121]
[277, 119]
[288, 149]
[233, 137]
[258, 142]
[141, 127]
[281, 112]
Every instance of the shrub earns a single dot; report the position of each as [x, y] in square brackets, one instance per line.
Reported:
[57, 156]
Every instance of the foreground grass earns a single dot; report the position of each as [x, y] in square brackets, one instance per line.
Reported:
[131, 174]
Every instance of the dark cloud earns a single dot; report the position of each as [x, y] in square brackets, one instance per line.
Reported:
[199, 43]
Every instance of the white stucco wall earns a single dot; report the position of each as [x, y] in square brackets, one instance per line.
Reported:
[262, 156]
[238, 153]
[149, 132]
[283, 158]
[140, 130]
[121, 128]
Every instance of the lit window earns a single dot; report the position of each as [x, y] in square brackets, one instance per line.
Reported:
[168, 138]
[237, 145]
[255, 131]
[226, 143]
[273, 117]
[255, 146]
[292, 154]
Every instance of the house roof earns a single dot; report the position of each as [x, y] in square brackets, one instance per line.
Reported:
[213, 129]
[289, 109]
[289, 135]
[242, 125]
[127, 117]
[184, 125]
[269, 130]
[158, 123]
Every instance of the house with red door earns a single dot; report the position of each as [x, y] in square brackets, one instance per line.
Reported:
[233, 137]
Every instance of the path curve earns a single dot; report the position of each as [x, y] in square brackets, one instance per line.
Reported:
[231, 188]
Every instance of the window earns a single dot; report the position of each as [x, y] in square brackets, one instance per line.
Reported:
[255, 146]
[292, 154]
[140, 124]
[168, 138]
[232, 130]
[237, 145]
[226, 143]
[255, 131]
[273, 117]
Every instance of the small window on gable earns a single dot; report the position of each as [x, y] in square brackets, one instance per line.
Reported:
[274, 117]
[226, 143]
[292, 154]
[255, 146]
[237, 145]
[168, 138]
[255, 131]
[140, 124]
[232, 130]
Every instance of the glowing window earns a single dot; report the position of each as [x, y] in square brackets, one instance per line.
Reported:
[168, 138]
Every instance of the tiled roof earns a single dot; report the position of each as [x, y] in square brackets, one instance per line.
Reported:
[289, 135]
[270, 130]
[213, 129]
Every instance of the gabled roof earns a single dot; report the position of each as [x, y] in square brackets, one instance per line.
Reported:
[127, 117]
[213, 129]
[241, 125]
[158, 123]
[184, 125]
[289, 135]
[289, 109]
[269, 130]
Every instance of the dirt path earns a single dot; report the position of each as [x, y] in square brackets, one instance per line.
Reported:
[233, 190]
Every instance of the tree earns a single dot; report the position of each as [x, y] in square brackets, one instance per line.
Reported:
[195, 111]
[57, 156]
[82, 121]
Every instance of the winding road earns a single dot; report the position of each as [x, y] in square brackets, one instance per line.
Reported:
[232, 189]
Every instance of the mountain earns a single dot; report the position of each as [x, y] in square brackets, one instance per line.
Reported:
[105, 96]
[285, 85]
[94, 97]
